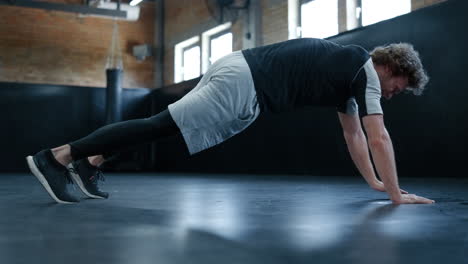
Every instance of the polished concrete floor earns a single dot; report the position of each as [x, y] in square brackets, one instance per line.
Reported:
[153, 218]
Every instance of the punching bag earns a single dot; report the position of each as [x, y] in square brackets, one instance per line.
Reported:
[114, 77]
[114, 95]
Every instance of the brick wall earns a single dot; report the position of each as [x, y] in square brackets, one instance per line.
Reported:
[274, 21]
[39, 46]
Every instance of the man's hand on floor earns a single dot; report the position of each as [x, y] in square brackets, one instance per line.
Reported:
[405, 197]
[413, 199]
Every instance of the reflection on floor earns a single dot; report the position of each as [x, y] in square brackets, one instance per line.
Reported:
[152, 218]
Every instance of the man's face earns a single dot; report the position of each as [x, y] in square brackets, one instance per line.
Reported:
[394, 86]
[391, 84]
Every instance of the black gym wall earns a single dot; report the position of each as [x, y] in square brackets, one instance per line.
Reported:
[38, 116]
[428, 132]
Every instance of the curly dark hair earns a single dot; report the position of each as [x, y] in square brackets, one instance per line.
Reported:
[403, 60]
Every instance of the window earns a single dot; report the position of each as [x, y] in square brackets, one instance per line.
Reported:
[293, 19]
[193, 58]
[187, 60]
[319, 18]
[325, 18]
[220, 46]
[374, 11]
[217, 42]
[191, 62]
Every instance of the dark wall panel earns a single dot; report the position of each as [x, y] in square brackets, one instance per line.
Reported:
[429, 132]
[38, 116]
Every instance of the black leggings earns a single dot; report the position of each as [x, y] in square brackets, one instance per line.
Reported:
[114, 137]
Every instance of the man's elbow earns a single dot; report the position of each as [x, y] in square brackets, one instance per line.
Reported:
[352, 135]
[380, 140]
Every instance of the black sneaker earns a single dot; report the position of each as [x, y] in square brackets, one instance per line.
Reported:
[52, 175]
[86, 176]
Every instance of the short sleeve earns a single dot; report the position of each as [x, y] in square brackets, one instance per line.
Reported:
[368, 91]
[350, 107]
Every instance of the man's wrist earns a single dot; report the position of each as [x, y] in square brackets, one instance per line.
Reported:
[375, 183]
[396, 198]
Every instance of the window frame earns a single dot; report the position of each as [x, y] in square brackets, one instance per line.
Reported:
[196, 44]
[206, 43]
[203, 40]
[216, 35]
[179, 49]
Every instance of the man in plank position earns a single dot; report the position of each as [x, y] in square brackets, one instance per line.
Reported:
[238, 87]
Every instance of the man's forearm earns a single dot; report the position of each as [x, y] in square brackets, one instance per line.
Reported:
[357, 146]
[384, 160]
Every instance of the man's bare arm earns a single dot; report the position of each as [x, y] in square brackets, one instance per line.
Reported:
[381, 148]
[359, 150]
[357, 146]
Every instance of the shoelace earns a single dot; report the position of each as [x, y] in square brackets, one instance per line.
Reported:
[72, 170]
[98, 176]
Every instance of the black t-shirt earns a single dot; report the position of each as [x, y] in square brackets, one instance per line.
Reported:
[300, 72]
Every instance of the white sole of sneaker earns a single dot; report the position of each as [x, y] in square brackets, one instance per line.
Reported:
[35, 171]
[76, 178]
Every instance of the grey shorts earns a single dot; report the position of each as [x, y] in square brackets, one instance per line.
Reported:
[222, 104]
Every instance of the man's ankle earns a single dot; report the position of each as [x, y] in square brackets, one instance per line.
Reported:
[61, 161]
[94, 162]
[61, 158]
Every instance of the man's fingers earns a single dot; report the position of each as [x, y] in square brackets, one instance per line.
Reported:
[414, 199]
[424, 200]
[403, 191]
[429, 201]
